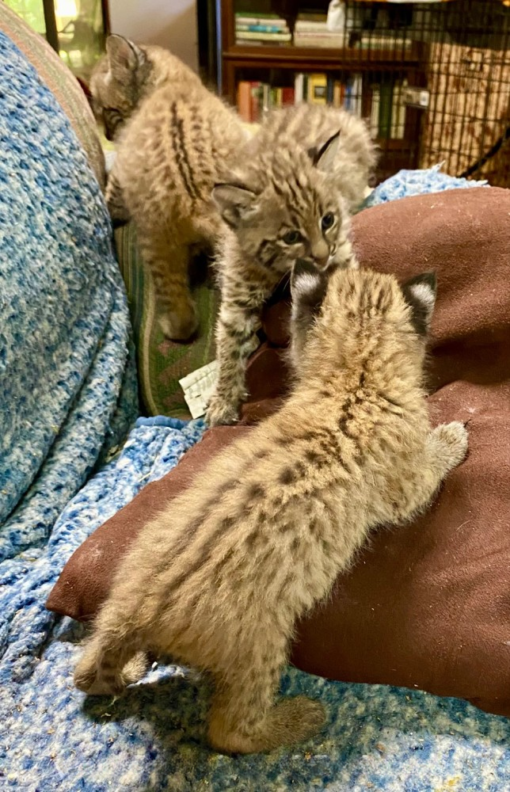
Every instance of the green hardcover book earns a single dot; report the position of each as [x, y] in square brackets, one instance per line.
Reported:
[386, 100]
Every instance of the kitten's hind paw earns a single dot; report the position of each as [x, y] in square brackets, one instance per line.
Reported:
[452, 439]
[97, 680]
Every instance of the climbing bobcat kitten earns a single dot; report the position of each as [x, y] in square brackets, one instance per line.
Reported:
[174, 138]
[300, 179]
[219, 578]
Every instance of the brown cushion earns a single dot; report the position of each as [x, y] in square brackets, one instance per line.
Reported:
[426, 605]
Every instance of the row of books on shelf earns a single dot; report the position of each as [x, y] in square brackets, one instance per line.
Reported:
[261, 28]
[382, 104]
[311, 30]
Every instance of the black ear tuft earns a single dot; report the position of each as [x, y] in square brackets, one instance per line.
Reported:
[420, 294]
[308, 286]
[324, 157]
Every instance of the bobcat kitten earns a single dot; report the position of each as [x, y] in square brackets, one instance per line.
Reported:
[174, 139]
[219, 578]
[301, 177]
[127, 74]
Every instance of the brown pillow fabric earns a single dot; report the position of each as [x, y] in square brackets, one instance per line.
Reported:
[426, 605]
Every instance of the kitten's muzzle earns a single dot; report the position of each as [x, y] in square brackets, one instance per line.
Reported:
[320, 253]
[322, 262]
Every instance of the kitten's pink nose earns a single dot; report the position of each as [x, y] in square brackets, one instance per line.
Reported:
[321, 262]
[320, 252]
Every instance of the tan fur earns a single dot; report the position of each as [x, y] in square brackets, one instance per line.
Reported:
[219, 578]
[174, 146]
[305, 163]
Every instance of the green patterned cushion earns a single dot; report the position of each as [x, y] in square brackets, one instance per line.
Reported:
[162, 363]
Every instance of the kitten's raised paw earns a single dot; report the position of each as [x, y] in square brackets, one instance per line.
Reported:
[453, 439]
[221, 413]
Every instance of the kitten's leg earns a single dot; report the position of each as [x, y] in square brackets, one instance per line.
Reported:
[168, 265]
[115, 201]
[236, 339]
[112, 656]
[245, 719]
[109, 663]
[446, 447]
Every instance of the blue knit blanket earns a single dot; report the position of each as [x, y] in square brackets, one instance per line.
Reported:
[67, 401]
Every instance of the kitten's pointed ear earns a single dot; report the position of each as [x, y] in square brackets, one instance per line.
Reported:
[233, 201]
[124, 57]
[324, 158]
[420, 294]
[308, 286]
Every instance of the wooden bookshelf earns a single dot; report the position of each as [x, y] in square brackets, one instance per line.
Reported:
[237, 57]
[237, 60]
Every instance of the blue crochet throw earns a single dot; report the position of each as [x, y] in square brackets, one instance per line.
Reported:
[71, 455]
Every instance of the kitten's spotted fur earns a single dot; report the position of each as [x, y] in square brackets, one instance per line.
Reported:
[219, 578]
[174, 140]
[300, 179]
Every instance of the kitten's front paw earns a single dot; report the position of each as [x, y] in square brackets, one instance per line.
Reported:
[221, 413]
[453, 438]
[179, 326]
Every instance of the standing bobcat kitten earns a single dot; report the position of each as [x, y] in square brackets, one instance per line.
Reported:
[174, 140]
[302, 176]
[219, 578]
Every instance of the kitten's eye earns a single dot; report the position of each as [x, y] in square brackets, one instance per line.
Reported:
[327, 221]
[292, 237]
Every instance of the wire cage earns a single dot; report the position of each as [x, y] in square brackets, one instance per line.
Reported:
[431, 78]
[461, 82]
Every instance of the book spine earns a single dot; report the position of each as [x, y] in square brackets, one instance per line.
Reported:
[287, 96]
[337, 94]
[366, 100]
[255, 96]
[259, 29]
[401, 113]
[312, 27]
[266, 99]
[359, 94]
[298, 88]
[242, 19]
[317, 86]
[397, 93]
[375, 111]
[330, 90]
[348, 96]
[385, 109]
[242, 35]
[324, 42]
[306, 88]
[244, 100]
